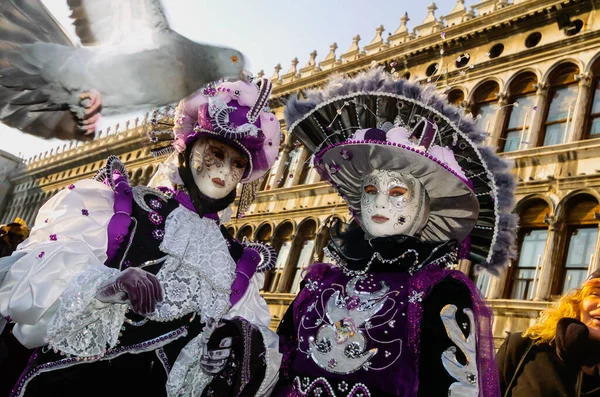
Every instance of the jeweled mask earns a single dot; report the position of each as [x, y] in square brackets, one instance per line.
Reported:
[217, 168]
[393, 203]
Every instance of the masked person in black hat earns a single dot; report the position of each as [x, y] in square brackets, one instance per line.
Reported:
[560, 354]
[388, 317]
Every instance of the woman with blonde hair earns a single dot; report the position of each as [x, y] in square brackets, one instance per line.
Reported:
[560, 354]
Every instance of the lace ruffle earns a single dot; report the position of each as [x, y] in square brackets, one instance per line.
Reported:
[199, 271]
[83, 326]
[186, 377]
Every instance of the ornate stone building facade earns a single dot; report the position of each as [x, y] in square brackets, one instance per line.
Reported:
[528, 70]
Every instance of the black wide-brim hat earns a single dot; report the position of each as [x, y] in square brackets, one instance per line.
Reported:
[349, 125]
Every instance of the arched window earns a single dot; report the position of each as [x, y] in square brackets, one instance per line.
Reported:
[456, 97]
[560, 105]
[522, 98]
[485, 102]
[323, 239]
[136, 177]
[264, 233]
[309, 174]
[282, 243]
[147, 175]
[302, 256]
[294, 164]
[580, 242]
[593, 122]
[274, 179]
[524, 273]
[245, 231]
[265, 180]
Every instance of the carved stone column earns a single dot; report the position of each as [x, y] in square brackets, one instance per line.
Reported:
[8, 211]
[576, 131]
[498, 123]
[498, 283]
[313, 175]
[296, 168]
[467, 106]
[278, 168]
[551, 259]
[537, 120]
[595, 265]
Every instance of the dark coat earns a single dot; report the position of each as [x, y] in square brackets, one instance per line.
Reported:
[539, 370]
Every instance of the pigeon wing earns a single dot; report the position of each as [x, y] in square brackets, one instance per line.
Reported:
[24, 22]
[113, 22]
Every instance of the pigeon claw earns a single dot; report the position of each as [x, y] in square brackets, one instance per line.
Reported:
[91, 101]
[88, 126]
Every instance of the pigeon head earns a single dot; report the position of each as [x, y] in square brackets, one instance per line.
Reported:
[220, 63]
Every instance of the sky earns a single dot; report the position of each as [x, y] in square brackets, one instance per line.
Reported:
[268, 32]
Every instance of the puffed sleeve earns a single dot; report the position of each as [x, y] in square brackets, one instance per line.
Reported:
[69, 238]
[254, 309]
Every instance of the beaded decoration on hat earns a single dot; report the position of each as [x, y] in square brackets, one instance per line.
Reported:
[234, 112]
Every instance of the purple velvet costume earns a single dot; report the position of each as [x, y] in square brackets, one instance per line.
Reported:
[392, 326]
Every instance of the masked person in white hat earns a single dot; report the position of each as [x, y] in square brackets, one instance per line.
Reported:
[388, 317]
[141, 291]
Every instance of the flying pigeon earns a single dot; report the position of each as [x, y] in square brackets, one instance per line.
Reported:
[129, 59]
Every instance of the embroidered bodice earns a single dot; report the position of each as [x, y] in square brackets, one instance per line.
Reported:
[355, 326]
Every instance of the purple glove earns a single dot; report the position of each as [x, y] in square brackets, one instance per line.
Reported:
[246, 267]
[141, 288]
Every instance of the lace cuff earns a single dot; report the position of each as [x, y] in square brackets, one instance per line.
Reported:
[82, 326]
[186, 377]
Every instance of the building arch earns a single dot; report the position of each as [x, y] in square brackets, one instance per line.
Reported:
[578, 251]
[483, 104]
[306, 220]
[456, 95]
[264, 232]
[286, 228]
[301, 255]
[563, 205]
[560, 107]
[283, 237]
[231, 230]
[523, 276]
[146, 175]
[520, 109]
[483, 82]
[245, 231]
[136, 176]
[520, 72]
[561, 63]
[590, 65]
[522, 204]
[592, 110]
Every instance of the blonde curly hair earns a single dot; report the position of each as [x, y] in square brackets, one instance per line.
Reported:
[569, 305]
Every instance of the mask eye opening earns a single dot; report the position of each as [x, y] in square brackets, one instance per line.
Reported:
[370, 189]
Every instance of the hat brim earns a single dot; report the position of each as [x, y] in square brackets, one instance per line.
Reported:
[454, 208]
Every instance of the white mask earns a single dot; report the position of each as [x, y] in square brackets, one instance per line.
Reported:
[393, 203]
[217, 167]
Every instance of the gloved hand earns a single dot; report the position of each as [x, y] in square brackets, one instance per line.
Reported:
[214, 360]
[140, 288]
